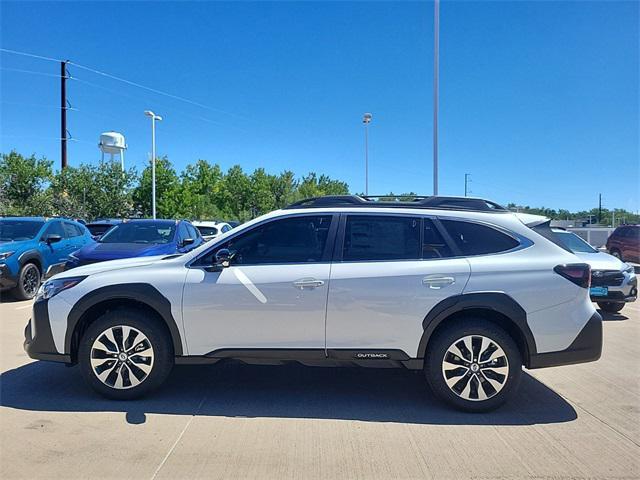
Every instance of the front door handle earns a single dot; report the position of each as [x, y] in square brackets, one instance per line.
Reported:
[436, 282]
[308, 283]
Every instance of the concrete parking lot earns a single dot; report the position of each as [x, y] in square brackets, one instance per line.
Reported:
[237, 421]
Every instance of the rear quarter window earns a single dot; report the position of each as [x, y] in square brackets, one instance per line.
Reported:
[476, 239]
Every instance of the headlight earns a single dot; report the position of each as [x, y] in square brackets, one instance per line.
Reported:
[6, 255]
[52, 287]
[629, 269]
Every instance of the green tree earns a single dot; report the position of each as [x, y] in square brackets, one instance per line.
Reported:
[168, 190]
[23, 181]
[90, 191]
[200, 187]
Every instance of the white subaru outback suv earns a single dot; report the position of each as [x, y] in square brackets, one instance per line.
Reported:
[457, 287]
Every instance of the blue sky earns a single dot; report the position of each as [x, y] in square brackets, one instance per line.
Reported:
[539, 100]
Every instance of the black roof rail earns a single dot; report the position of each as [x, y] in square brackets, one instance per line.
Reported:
[391, 201]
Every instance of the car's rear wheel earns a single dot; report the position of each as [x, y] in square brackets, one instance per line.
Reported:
[28, 282]
[124, 354]
[473, 365]
[611, 307]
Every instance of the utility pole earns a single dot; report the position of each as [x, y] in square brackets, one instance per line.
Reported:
[436, 79]
[599, 208]
[63, 114]
[466, 182]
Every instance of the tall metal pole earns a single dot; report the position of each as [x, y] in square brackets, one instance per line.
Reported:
[63, 114]
[436, 79]
[366, 119]
[466, 181]
[366, 159]
[153, 166]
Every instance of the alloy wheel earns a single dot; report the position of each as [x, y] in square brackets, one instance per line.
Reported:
[31, 280]
[475, 368]
[122, 357]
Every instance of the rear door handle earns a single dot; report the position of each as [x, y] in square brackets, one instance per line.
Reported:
[308, 283]
[436, 282]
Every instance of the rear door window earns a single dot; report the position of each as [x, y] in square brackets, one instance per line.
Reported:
[433, 244]
[477, 239]
[72, 230]
[384, 237]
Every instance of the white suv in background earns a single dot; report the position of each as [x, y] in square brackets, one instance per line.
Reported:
[211, 230]
[457, 287]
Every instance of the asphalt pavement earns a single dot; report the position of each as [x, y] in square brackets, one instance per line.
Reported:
[293, 422]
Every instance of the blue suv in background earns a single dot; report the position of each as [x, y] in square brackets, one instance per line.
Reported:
[139, 238]
[32, 247]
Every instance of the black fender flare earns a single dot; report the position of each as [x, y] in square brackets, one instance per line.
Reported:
[139, 292]
[494, 301]
[31, 254]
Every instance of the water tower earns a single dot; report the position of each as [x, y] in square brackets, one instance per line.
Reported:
[113, 143]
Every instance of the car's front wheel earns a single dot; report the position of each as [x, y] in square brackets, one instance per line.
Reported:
[473, 365]
[611, 307]
[124, 354]
[28, 282]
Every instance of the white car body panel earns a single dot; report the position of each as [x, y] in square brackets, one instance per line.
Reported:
[255, 307]
[381, 305]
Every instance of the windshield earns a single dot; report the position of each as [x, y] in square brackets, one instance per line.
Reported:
[17, 230]
[205, 231]
[147, 232]
[574, 243]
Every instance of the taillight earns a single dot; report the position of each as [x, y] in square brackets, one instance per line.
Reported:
[578, 273]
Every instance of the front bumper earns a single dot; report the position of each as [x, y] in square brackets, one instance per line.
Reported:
[7, 278]
[627, 292]
[38, 341]
[587, 347]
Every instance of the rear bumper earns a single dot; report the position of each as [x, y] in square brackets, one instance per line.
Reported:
[587, 347]
[38, 341]
[7, 278]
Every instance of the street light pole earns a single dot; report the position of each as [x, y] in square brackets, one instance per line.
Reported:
[153, 117]
[436, 80]
[366, 119]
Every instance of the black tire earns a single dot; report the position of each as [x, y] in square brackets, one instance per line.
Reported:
[611, 307]
[616, 253]
[161, 354]
[435, 366]
[29, 279]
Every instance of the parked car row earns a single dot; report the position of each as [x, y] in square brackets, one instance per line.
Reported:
[33, 248]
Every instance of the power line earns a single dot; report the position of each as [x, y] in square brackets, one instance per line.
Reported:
[25, 54]
[154, 90]
[33, 72]
[38, 105]
[128, 82]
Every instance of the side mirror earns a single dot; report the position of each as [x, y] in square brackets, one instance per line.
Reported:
[186, 241]
[52, 238]
[224, 257]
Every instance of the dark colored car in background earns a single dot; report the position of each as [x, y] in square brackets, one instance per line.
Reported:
[33, 247]
[139, 238]
[101, 226]
[624, 243]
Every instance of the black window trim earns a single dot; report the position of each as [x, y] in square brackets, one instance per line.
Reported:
[326, 254]
[523, 242]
